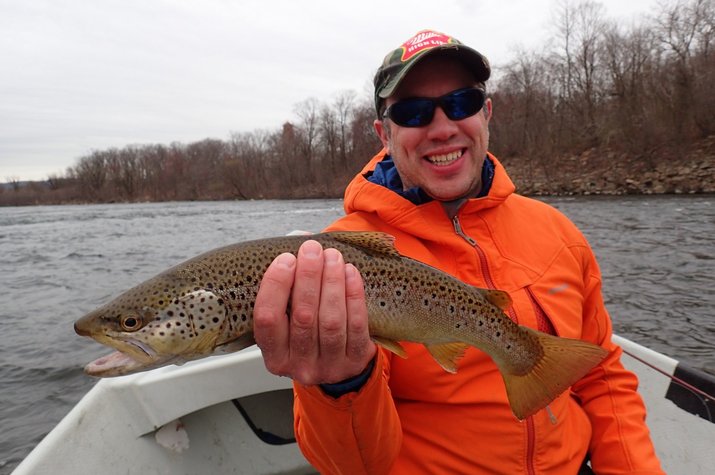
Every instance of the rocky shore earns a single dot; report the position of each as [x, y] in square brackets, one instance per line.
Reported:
[606, 172]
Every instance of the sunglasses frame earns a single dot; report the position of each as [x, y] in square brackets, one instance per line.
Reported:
[444, 102]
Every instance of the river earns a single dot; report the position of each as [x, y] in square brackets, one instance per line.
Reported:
[657, 256]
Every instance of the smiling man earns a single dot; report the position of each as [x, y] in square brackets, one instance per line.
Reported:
[449, 203]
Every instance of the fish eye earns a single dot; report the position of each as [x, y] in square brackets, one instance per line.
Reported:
[131, 323]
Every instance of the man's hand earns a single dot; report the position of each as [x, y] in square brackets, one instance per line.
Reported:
[325, 339]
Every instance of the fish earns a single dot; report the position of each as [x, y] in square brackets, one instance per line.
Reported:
[204, 306]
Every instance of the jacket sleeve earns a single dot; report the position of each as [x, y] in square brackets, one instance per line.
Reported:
[620, 441]
[357, 433]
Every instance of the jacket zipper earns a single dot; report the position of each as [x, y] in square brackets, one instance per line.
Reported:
[483, 265]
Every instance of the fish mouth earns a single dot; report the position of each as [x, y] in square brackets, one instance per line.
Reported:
[132, 357]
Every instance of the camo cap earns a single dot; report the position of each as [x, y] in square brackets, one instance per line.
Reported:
[425, 43]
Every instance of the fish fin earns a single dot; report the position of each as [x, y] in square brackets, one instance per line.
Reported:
[564, 361]
[391, 345]
[447, 354]
[243, 341]
[499, 298]
[371, 241]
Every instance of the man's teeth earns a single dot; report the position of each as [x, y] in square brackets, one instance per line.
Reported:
[444, 159]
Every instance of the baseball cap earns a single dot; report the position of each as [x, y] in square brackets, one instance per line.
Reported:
[425, 43]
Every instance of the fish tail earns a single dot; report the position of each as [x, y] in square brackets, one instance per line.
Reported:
[564, 361]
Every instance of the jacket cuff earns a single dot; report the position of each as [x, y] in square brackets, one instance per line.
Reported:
[350, 385]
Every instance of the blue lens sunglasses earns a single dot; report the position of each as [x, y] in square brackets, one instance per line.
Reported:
[419, 111]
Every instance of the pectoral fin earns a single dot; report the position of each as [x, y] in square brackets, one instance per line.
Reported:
[391, 345]
[447, 354]
[243, 341]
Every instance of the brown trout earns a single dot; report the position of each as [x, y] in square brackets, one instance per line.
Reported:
[204, 306]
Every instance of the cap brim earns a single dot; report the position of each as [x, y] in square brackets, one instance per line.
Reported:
[475, 62]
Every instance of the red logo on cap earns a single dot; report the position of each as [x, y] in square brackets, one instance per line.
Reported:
[424, 40]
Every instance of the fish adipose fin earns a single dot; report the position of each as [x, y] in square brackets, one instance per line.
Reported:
[372, 242]
[391, 345]
[564, 361]
[447, 354]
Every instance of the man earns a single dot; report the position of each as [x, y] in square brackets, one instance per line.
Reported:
[450, 204]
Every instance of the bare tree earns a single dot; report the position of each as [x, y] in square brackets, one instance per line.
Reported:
[685, 28]
[14, 182]
[579, 33]
[91, 173]
[308, 112]
[344, 105]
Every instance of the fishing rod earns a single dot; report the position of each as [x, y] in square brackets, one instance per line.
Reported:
[703, 396]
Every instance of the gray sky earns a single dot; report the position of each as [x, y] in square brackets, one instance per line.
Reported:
[79, 75]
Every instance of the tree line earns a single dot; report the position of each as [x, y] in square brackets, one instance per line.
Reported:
[636, 89]
[597, 84]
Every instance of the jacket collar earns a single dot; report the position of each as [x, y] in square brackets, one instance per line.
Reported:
[365, 195]
[385, 174]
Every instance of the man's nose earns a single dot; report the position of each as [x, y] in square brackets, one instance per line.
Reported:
[441, 127]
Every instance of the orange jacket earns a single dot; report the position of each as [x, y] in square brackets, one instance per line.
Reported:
[413, 417]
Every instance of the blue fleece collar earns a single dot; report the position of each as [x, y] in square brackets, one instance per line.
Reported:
[385, 174]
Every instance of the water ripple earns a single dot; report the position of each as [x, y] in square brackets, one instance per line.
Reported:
[656, 255]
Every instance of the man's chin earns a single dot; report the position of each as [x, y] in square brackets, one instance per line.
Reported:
[450, 195]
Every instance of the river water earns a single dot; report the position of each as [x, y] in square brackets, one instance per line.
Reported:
[657, 255]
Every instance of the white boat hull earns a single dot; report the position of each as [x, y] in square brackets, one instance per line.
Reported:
[207, 416]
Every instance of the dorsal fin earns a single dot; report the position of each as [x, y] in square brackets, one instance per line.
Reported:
[498, 297]
[371, 241]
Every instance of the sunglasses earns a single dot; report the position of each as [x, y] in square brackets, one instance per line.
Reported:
[419, 111]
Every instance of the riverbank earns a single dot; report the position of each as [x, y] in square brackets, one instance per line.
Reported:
[606, 172]
[597, 171]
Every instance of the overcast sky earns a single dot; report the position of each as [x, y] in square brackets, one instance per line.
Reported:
[78, 75]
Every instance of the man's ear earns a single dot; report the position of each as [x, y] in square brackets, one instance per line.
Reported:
[382, 133]
[487, 109]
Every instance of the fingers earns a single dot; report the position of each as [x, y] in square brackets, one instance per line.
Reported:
[270, 322]
[325, 339]
[304, 347]
[332, 315]
[359, 347]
